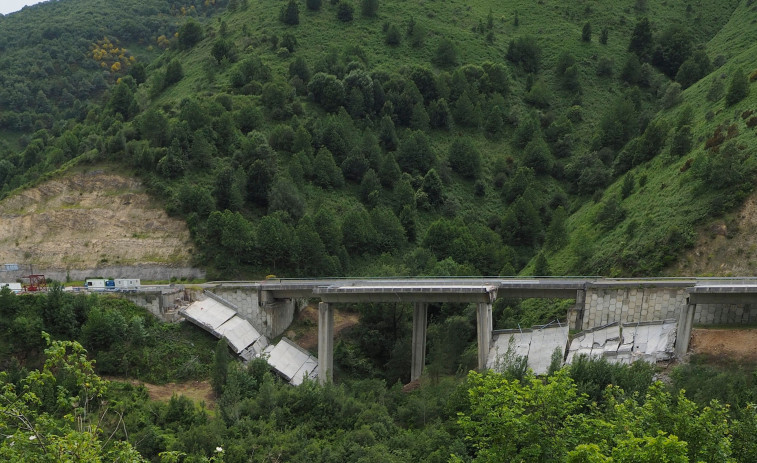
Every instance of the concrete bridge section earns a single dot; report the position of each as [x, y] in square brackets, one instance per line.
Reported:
[270, 305]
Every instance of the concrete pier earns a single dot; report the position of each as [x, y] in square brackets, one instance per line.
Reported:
[683, 335]
[484, 325]
[325, 343]
[420, 321]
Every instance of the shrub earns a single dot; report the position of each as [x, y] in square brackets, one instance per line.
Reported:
[738, 89]
[445, 54]
[290, 14]
[464, 158]
[604, 67]
[525, 52]
[345, 12]
[393, 36]
[586, 32]
[369, 8]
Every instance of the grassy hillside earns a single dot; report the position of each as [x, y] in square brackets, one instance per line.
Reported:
[428, 138]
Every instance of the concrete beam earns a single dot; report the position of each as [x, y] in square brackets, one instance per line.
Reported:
[683, 335]
[420, 314]
[484, 332]
[722, 298]
[325, 343]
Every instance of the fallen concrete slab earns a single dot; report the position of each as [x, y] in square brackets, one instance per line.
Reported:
[537, 344]
[292, 362]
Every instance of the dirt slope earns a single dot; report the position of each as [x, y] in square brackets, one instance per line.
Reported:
[738, 345]
[726, 247]
[89, 219]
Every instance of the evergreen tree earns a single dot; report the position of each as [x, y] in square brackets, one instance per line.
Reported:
[313, 5]
[541, 266]
[393, 36]
[369, 8]
[586, 32]
[641, 39]
[464, 158]
[345, 11]
[681, 143]
[557, 232]
[290, 14]
[738, 89]
[446, 54]
[439, 115]
[604, 35]
[221, 360]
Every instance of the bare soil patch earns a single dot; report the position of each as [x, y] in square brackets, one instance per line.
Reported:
[304, 331]
[739, 345]
[197, 391]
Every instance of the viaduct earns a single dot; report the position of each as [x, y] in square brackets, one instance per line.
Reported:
[270, 305]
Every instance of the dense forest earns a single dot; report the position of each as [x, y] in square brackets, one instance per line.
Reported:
[372, 138]
[331, 138]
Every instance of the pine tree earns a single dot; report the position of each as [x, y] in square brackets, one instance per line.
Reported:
[290, 14]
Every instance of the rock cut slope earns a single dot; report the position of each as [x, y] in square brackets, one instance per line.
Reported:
[87, 220]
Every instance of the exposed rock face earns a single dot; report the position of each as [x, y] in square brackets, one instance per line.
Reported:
[93, 220]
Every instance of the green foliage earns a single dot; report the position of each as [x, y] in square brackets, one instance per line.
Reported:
[393, 36]
[738, 88]
[190, 34]
[546, 420]
[586, 32]
[290, 14]
[445, 54]
[464, 158]
[174, 73]
[641, 39]
[369, 8]
[345, 11]
[313, 5]
[525, 52]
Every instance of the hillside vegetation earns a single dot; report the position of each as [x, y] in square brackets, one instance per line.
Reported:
[393, 138]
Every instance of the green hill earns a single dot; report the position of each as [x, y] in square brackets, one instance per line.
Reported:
[393, 138]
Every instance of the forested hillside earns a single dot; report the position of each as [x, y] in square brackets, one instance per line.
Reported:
[386, 138]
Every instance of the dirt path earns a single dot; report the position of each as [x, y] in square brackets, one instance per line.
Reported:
[732, 344]
[196, 390]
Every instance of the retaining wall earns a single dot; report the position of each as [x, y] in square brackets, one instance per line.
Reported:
[645, 304]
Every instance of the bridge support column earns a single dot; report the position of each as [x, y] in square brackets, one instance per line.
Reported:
[325, 343]
[579, 309]
[484, 326]
[683, 334]
[420, 315]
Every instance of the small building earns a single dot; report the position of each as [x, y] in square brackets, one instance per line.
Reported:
[127, 284]
[96, 284]
[15, 287]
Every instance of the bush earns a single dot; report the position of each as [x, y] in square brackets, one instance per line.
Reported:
[445, 54]
[525, 52]
[393, 36]
[464, 158]
[345, 12]
[738, 89]
[369, 8]
[586, 32]
[290, 14]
